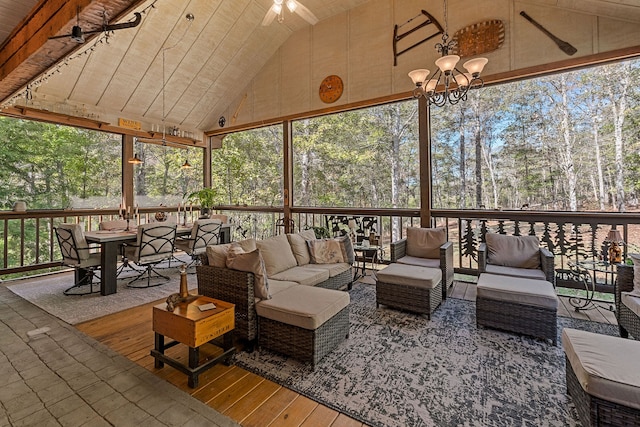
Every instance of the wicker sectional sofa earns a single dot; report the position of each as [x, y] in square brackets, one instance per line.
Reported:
[287, 266]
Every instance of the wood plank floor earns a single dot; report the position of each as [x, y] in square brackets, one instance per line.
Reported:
[243, 396]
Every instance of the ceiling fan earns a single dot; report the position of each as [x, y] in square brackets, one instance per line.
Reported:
[294, 7]
[77, 34]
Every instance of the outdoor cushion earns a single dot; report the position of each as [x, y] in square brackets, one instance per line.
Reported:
[299, 247]
[277, 286]
[325, 251]
[217, 254]
[422, 262]
[334, 269]
[425, 242]
[348, 255]
[513, 251]
[631, 301]
[410, 275]
[303, 275]
[606, 366]
[636, 273]
[251, 262]
[527, 273]
[277, 254]
[538, 293]
[303, 306]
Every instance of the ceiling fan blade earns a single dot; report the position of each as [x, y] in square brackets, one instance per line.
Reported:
[306, 14]
[269, 17]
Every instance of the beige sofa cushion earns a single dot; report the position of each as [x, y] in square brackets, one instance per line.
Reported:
[513, 251]
[303, 306]
[425, 242]
[636, 273]
[606, 366]
[527, 273]
[277, 254]
[217, 254]
[304, 275]
[422, 262]
[277, 286]
[333, 269]
[251, 262]
[410, 275]
[538, 293]
[298, 243]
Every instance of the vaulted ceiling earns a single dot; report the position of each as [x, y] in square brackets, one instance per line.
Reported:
[202, 64]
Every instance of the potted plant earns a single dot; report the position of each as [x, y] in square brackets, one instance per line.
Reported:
[205, 198]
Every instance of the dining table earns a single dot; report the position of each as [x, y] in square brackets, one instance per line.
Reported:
[110, 242]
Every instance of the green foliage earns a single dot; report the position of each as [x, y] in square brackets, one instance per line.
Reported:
[206, 197]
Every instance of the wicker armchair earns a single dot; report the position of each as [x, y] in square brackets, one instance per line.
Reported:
[399, 250]
[235, 287]
[547, 264]
[628, 321]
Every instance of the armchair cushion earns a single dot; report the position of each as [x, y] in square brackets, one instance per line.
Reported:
[513, 251]
[425, 242]
[250, 262]
[527, 273]
[422, 262]
[636, 273]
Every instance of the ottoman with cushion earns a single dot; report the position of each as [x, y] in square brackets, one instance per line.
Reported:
[603, 379]
[304, 322]
[409, 287]
[525, 306]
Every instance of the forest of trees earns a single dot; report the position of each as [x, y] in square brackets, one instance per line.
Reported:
[569, 141]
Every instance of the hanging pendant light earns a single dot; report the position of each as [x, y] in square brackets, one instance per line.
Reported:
[186, 164]
[135, 160]
[456, 83]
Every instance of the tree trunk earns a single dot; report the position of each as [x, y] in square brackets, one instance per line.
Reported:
[622, 79]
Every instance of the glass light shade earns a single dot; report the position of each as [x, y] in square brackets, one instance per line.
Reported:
[476, 65]
[419, 75]
[447, 63]
[464, 79]
[277, 8]
[431, 85]
[292, 5]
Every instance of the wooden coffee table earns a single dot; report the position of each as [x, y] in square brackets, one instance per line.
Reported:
[188, 325]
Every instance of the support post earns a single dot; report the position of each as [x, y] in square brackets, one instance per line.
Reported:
[127, 170]
[424, 144]
[287, 199]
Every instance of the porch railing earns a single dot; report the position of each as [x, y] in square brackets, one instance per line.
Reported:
[28, 241]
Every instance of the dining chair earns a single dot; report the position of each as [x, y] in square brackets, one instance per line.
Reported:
[76, 253]
[205, 232]
[155, 243]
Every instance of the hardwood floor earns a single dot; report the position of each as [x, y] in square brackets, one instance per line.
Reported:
[243, 396]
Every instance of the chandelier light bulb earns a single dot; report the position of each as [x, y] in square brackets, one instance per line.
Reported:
[419, 76]
[277, 8]
[431, 85]
[292, 5]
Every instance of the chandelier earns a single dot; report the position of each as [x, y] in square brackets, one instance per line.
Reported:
[456, 84]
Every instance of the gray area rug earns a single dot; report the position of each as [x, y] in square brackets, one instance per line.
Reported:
[47, 293]
[399, 369]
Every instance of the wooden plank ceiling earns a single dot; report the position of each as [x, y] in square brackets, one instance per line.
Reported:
[207, 62]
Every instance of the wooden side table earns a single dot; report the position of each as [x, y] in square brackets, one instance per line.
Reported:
[188, 325]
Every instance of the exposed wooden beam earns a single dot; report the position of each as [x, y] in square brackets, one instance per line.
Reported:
[28, 51]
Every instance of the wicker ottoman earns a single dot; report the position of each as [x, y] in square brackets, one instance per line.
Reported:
[525, 306]
[304, 322]
[603, 379]
[409, 287]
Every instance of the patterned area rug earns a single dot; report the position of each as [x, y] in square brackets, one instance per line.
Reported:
[47, 293]
[399, 369]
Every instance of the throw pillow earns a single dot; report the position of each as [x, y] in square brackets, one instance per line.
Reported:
[250, 262]
[513, 251]
[299, 247]
[325, 251]
[425, 242]
[636, 273]
[217, 254]
[277, 254]
[347, 249]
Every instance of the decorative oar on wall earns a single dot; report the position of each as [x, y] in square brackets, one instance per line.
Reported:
[563, 45]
